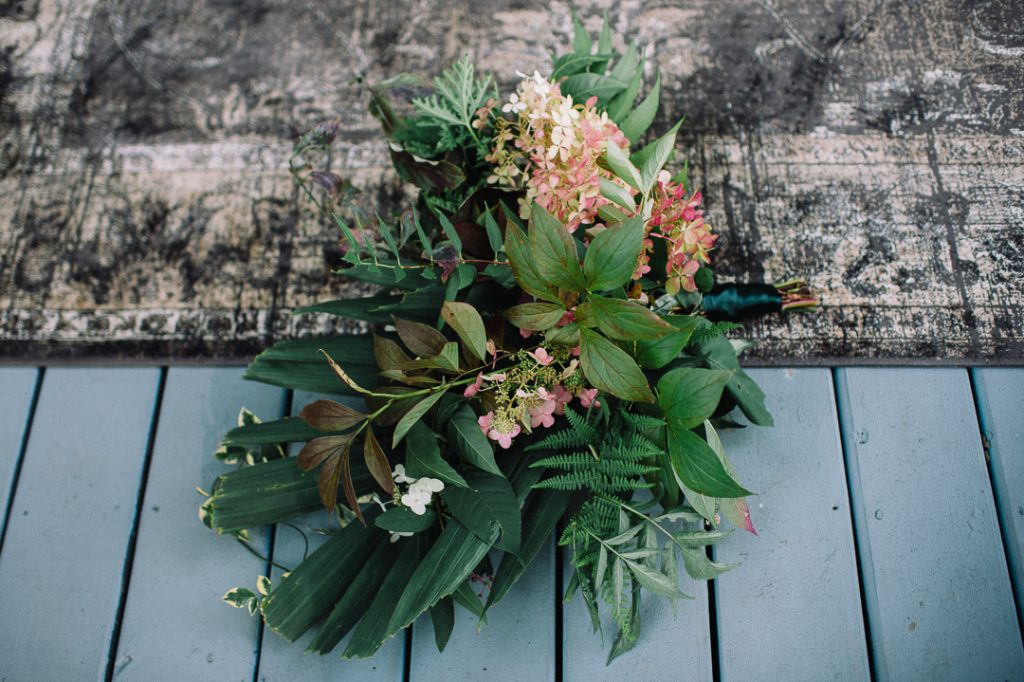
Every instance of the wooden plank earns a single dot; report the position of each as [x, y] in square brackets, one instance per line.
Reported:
[17, 388]
[936, 585]
[1000, 396]
[792, 609]
[517, 643]
[280, 660]
[672, 647]
[60, 573]
[175, 622]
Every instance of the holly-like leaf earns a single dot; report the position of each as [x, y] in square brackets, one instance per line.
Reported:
[627, 320]
[423, 457]
[422, 340]
[535, 316]
[377, 462]
[328, 415]
[689, 395]
[613, 254]
[467, 323]
[554, 250]
[609, 368]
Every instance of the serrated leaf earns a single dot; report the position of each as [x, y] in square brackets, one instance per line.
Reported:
[423, 457]
[613, 254]
[609, 368]
[328, 415]
[413, 416]
[467, 323]
[627, 320]
[539, 316]
[554, 250]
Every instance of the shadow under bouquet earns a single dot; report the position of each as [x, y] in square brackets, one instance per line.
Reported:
[547, 354]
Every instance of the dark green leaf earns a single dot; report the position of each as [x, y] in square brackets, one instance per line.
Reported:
[554, 250]
[404, 520]
[520, 258]
[697, 465]
[374, 629]
[489, 500]
[659, 352]
[609, 368]
[640, 119]
[287, 430]
[535, 316]
[689, 395]
[413, 416]
[627, 320]
[423, 457]
[469, 441]
[719, 354]
[583, 86]
[613, 255]
[442, 617]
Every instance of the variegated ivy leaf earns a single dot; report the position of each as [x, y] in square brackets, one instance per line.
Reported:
[263, 585]
[204, 512]
[241, 598]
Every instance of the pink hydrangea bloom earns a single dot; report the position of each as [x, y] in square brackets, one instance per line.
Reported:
[588, 397]
[562, 398]
[542, 409]
[474, 387]
[541, 356]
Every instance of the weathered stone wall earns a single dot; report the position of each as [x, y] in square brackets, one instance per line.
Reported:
[874, 146]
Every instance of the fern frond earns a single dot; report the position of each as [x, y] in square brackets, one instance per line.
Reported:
[458, 93]
[641, 422]
[707, 332]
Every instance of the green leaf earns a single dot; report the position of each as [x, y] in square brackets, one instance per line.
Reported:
[627, 65]
[581, 42]
[719, 354]
[467, 323]
[328, 415]
[689, 395]
[449, 231]
[609, 368]
[422, 340]
[469, 442]
[375, 627]
[241, 598]
[446, 566]
[297, 364]
[287, 430]
[520, 257]
[658, 157]
[319, 581]
[494, 238]
[404, 520]
[619, 194]
[554, 250]
[699, 467]
[357, 598]
[657, 353]
[535, 316]
[700, 567]
[423, 457]
[613, 254]
[583, 86]
[413, 416]
[442, 617]
[621, 166]
[540, 519]
[619, 106]
[627, 320]
[640, 119]
[489, 500]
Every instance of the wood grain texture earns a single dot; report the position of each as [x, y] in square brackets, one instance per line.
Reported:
[792, 609]
[937, 590]
[60, 571]
[17, 386]
[517, 643]
[1000, 396]
[283, 662]
[174, 620]
[874, 146]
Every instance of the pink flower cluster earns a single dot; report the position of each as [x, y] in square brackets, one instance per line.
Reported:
[552, 148]
[678, 220]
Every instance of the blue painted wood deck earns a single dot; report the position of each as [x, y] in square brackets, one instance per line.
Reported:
[890, 547]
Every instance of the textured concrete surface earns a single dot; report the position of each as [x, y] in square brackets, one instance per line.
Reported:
[874, 146]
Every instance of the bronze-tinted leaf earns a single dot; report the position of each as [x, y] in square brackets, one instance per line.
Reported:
[330, 475]
[317, 450]
[389, 355]
[328, 415]
[424, 341]
[377, 462]
[350, 488]
[342, 375]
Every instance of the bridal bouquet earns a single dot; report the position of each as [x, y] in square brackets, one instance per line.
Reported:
[546, 353]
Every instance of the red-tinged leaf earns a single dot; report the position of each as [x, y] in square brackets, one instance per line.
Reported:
[377, 462]
[342, 375]
[330, 475]
[319, 449]
[328, 415]
[349, 486]
[388, 354]
[424, 341]
[738, 513]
